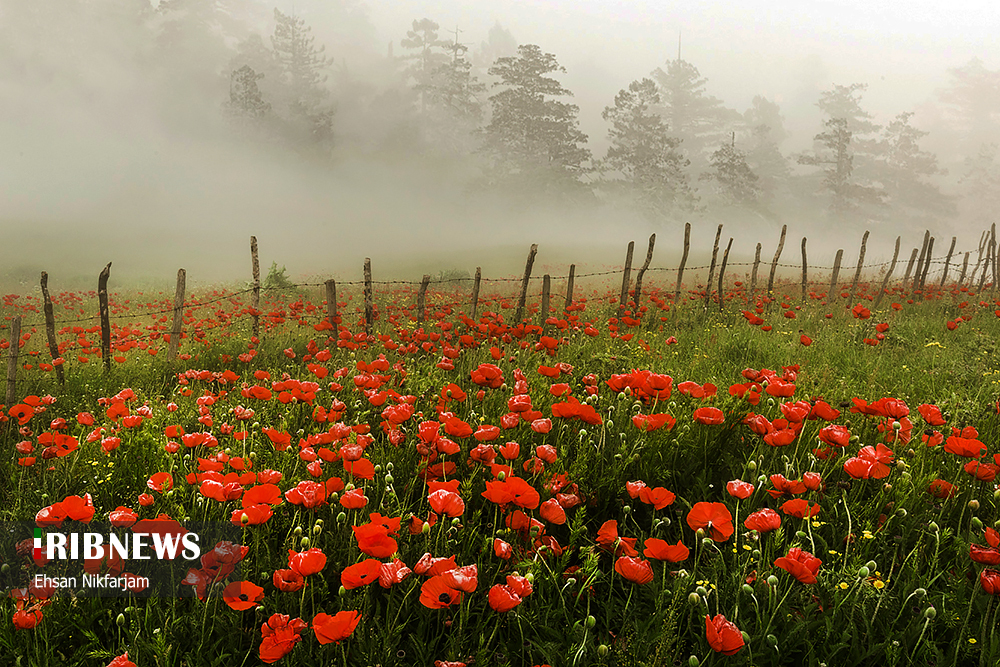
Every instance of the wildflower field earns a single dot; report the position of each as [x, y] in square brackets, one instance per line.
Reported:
[765, 481]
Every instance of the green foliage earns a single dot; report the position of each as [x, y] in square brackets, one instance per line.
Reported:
[276, 279]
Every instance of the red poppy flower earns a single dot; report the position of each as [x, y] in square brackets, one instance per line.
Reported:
[763, 521]
[335, 628]
[812, 480]
[502, 549]
[552, 512]
[740, 489]
[662, 550]
[121, 661]
[393, 572]
[714, 518]
[374, 540]
[984, 555]
[122, 517]
[651, 423]
[636, 570]
[241, 595]
[503, 598]
[252, 515]
[361, 574]
[722, 635]
[800, 508]
[465, 578]
[436, 594]
[306, 563]
[633, 488]
[279, 636]
[261, 494]
[931, 414]
[447, 502]
[161, 481]
[308, 494]
[353, 499]
[708, 415]
[967, 447]
[990, 580]
[658, 497]
[288, 581]
[835, 435]
[607, 537]
[800, 564]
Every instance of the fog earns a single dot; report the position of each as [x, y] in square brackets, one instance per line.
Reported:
[128, 135]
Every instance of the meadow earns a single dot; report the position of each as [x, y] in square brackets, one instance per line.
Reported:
[769, 480]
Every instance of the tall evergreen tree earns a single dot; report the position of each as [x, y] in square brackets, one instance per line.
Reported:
[844, 102]
[836, 159]
[303, 95]
[766, 130]
[980, 185]
[533, 138]
[429, 54]
[905, 170]
[643, 154]
[736, 182]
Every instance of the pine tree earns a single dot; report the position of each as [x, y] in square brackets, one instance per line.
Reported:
[303, 96]
[980, 185]
[904, 170]
[837, 162]
[245, 99]
[737, 183]
[532, 138]
[845, 102]
[430, 55]
[644, 154]
[766, 130]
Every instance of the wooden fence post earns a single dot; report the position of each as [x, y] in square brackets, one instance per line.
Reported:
[927, 263]
[711, 267]
[626, 277]
[774, 263]
[892, 267]
[475, 291]
[753, 274]
[947, 261]
[369, 306]
[102, 298]
[524, 283]
[684, 259]
[979, 258]
[909, 267]
[569, 287]
[422, 298]
[13, 352]
[920, 260]
[50, 329]
[965, 267]
[722, 273]
[177, 324]
[836, 273]
[255, 300]
[331, 304]
[546, 287]
[993, 255]
[805, 270]
[861, 264]
[642, 272]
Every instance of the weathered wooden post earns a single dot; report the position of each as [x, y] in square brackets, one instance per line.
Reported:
[861, 264]
[711, 267]
[909, 267]
[546, 287]
[805, 270]
[836, 273]
[255, 300]
[979, 258]
[331, 304]
[965, 267]
[684, 259]
[50, 329]
[475, 291]
[888, 274]
[626, 278]
[722, 273]
[642, 272]
[177, 324]
[524, 283]
[102, 299]
[13, 352]
[920, 260]
[993, 255]
[753, 274]
[369, 305]
[947, 261]
[569, 287]
[422, 297]
[774, 263]
[927, 264]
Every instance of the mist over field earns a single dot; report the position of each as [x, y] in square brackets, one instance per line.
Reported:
[436, 136]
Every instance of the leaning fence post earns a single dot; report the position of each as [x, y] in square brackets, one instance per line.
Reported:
[892, 267]
[255, 300]
[861, 264]
[626, 277]
[422, 297]
[684, 259]
[50, 328]
[13, 353]
[722, 272]
[175, 328]
[805, 269]
[102, 298]
[920, 260]
[836, 274]
[475, 291]
[711, 267]
[965, 267]
[909, 267]
[546, 286]
[753, 274]
[524, 283]
[979, 257]
[331, 304]
[927, 264]
[947, 261]
[774, 263]
[642, 272]
[993, 255]
[369, 306]
[569, 287]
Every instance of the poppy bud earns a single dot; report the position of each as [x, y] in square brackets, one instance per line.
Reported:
[571, 582]
[256, 425]
[755, 553]
[863, 571]
[253, 455]
[887, 487]
[378, 468]
[244, 519]
[933, 526]
[801, 534]
[707, 541]
[297, 532]
[693, 661]
[770, 402]
[930, 613]
[342, 592]
[591, 621]
[748, 589]
[426, 529]
[389, 479]
[694, 598]
[752, 466]
[855, 438]
[700, 532]
[627, 509]
[388, 466]
[996, 494]
[342, 517]
[5, 569]
[317, 529]
[349, 487]
[920, 592]
[583, 433]
[621, 396]
[871, 565]
[120, 621]
[976, 523]
[901, 512]
[611, 423]
[773, 641]
[973, 504]
[304, 542]
[501, 476]
[772, 581]
[602, 650]
[702, 591]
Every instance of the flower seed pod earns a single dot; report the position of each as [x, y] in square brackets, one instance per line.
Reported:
[748, 589]
[426, 529]
[591, 621]
[304, 543]
[693, 661]
[694, 599]
[973, 504]
[772, 581]
[602, 650]
[120, 621]
[863, 571]
[930, 613]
